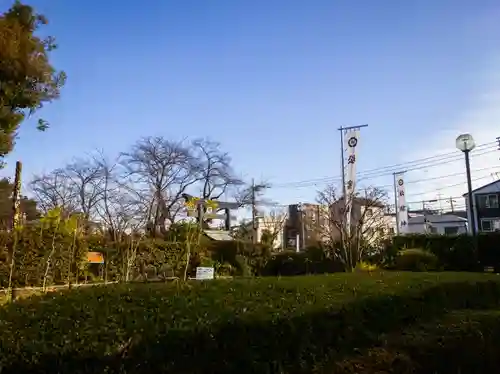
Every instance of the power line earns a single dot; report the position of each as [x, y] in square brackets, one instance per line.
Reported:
[414, 165]
[275, 204]
[442, 177]
[449, 186]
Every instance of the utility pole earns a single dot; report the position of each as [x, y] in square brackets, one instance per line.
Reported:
[451, 204]
[424, 213]
[254, 214]
[440, 203]
[302, 225]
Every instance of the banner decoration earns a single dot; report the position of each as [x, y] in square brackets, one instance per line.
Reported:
[401, 209]
[351, 138]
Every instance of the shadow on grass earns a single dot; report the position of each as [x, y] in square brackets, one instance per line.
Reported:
[289, 345]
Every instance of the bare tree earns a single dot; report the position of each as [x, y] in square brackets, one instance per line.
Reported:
[84, 177]
[349, 240]
[52, 190]
[120, 207]
[160, 171]
[273, 225]
[249, 194]
[214, 169]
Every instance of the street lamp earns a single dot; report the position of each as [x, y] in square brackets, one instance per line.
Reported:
[465, 143]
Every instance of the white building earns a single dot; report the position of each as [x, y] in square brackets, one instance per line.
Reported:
[274, 226]
[443, 224]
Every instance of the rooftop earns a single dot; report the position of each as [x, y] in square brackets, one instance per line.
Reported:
[486, 186]
[436, 218]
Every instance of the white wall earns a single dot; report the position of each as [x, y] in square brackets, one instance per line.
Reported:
[275, 225]
[420, 228]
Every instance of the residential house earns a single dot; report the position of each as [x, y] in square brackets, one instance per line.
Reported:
[306, 221]
[486, 208]
[273, 225]
[444, 224]
[315, 223]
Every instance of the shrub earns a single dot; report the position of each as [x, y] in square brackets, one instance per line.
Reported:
[226, 327]
[232, 252]
[366, 266]
[416, 259]
[460, 342]
[312, 261]
[453, 252]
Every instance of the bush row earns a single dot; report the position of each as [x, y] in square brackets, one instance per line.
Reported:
[460, 342]
[59, 256]
[266, 325]
[453, 252]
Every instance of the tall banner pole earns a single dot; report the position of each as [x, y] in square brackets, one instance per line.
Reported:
[351, 137]
[396, 210]
[401, 207]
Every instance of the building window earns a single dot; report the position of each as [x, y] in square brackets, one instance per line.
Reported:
[451, 230]
[489, 225]
[488, 201]
[486, 225]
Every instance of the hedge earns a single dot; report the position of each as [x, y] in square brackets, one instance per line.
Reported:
[266, 325]
[68, 254]
[459, 342]
[290, 263]
[455, 252]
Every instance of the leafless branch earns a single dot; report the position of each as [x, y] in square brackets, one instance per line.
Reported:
[163, 170]
[348, 240]
[53, 190]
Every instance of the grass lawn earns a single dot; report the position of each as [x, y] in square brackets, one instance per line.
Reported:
[266, 325]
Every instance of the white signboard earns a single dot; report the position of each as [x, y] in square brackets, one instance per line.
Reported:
[351, 138]
[401, 209]
[204, 273]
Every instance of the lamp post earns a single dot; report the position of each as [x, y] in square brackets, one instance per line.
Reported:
[465, 143]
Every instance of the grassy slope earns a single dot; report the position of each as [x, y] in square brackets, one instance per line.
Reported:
[101, 321]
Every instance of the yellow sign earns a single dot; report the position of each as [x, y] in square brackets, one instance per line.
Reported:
[195, 201]
[95, 258]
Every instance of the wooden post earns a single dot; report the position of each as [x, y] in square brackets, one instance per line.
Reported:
[16, 199]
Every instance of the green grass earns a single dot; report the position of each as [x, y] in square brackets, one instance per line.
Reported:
[267, 325]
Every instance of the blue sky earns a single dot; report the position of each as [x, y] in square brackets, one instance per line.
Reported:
[272, 80]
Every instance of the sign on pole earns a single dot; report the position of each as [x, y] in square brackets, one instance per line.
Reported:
[401, 208]
[95, 258]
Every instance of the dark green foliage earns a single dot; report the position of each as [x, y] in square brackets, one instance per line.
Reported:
[32, 249]
[460, 342]
[416, 260]
[139, 259]
[312, 261]
[454, 253]
[267, 325]
[27, 79]
[246, 258]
